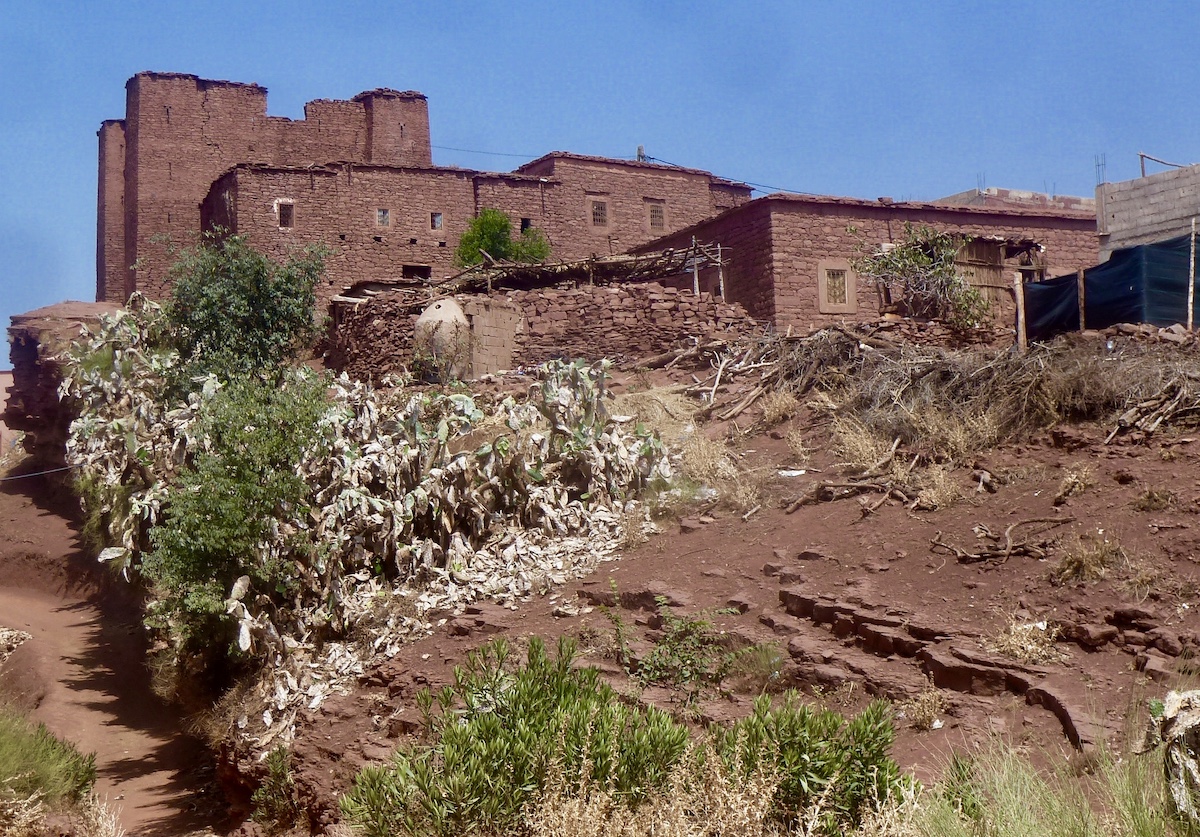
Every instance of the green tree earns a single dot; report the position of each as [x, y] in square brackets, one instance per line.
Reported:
[250, 437]
[236, 311]
[491, 231]
[920, 276]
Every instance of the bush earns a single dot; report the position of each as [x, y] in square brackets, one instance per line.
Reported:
[233, 310]
[243, 478]
[919, 274]
[500, 741]
[830, 769]
[491, 232]
[495, 739]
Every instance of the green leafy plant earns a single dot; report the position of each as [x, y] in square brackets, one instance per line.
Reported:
[275, 805]
[918, 274]
[690, 656]
[241, 481]
[491, 232]
[495, 735]
[233, 310]
[33, 763]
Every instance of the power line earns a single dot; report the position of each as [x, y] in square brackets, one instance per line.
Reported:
[761, 187]
[36, 473]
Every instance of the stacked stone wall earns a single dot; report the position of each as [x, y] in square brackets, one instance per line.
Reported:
[621, 322]
[524, 328]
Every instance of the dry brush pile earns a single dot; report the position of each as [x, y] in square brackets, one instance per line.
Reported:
[415, 501]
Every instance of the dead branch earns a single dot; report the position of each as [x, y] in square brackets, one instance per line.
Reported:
[1001, 554]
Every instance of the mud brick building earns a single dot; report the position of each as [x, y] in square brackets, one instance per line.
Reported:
[354, 175]
[789, 256]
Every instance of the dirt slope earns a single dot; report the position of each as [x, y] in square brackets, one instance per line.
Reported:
[83, 672]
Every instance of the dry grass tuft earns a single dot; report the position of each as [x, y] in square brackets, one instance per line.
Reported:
[1029, 642]
[1152, 500]
[939, 489]
[1076, 481]
[860, 447]
[635, 523]
[703, 799]
[922, 710]
[22, 817]
[795, 442]
[1088, 559]
[778, 407]
[707, 461]
[664, 408]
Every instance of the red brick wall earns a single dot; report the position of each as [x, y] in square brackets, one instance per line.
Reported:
[776, 245]
[183, 132]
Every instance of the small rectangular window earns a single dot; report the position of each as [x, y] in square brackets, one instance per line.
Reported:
[835, 287]
[526, 223]
[657, 214]
[435, 220]
[383, 218]
[287, 216]
[599, 213]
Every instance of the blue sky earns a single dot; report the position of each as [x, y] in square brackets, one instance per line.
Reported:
[911, 100]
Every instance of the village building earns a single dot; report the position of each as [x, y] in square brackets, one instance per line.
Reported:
[356, 176]
[788, 258]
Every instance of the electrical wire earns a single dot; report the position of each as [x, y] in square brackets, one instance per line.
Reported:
[37, 473]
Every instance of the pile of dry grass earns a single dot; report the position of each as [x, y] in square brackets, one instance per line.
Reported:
[665, 409]
[1029, 642]
[949, 403]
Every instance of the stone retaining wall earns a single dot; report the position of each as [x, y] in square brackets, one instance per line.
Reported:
[524, 328]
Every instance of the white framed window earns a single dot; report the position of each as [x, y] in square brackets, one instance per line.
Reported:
[383, 217]
[836, 284]
[285, 213]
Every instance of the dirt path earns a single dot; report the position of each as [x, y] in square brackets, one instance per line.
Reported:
[83, 673]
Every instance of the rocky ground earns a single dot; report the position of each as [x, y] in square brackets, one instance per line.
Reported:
[846, 600]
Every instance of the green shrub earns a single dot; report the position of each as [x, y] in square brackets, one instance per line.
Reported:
[491, 232]
[275, 805]
[498, 736]
[234, 311]
[240, 483]
[34, 762]
[823, 760]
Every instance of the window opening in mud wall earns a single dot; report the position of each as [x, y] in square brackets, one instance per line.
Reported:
[383, 218]
[526, 223]
[435, 220]
[285, 211]
[599, 213]
[656, 214]
[835, 287]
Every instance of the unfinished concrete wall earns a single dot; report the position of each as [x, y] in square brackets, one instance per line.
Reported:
[1148, 209]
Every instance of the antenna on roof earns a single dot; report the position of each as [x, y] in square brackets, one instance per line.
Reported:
[641, 154]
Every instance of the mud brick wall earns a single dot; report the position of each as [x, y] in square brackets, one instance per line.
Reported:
[525, 328]
[337, 206]
[628, 190]
[1147, 209]
[620, 322]
[36, 341]
[776, 245]
[180, 132]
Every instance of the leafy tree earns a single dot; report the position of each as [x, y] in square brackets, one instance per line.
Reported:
[491, 232]
[920, 275]
[236, 311]
[251, 435]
